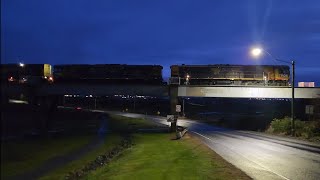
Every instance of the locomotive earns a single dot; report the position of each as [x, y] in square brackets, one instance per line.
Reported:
[225, 74]
[26, 73]
[108, 73]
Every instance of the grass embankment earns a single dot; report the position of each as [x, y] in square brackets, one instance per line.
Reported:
[27, 154]
[18, 157]
[60, 173]
[154, 156]
[118, 125]
[129, 125]
[157, 156]
[23, 156]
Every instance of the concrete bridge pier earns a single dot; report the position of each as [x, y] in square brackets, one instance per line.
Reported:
[173, 94]
[43, 108]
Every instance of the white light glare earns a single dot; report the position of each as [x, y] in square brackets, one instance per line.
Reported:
[256, 52]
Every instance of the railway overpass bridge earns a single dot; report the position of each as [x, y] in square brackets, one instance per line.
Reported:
[51, 95]
[247, 92]
[239, 92]
[162, 90]
[86, 89]
[50, 92]
[173, 91]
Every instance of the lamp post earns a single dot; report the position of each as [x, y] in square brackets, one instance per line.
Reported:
[257, 52]
[187, 79]
[183, 107]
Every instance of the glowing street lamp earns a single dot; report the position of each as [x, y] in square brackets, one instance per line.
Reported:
[187, 79]
[21, 64]
[256, 52]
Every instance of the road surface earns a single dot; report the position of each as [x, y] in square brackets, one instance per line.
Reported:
[259, 155]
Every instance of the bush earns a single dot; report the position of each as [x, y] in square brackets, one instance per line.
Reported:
[303, 129]
[281, 125]
[311, 129]
[299, 127]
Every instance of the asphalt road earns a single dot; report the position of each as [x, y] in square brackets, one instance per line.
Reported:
[259, 155]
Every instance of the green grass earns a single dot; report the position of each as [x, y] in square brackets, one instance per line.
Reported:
[25, 156]
[117, 124]
[125, 124]
[156, 156]
[110, 141]
[20, 157]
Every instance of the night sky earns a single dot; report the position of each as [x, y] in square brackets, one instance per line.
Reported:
[162, 32]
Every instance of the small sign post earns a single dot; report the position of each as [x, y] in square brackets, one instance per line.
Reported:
[178, 108]
[170, 118]
[309, 110]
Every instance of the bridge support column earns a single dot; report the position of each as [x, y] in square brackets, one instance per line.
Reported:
[44, 108]
[173, 93]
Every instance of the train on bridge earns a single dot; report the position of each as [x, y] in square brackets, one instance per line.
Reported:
[26, 73]
[82, 73]
[109, 73]
[219, 74]
[225, 74]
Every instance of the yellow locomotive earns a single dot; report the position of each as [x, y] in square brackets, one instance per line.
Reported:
[26, 73]
[225, 74]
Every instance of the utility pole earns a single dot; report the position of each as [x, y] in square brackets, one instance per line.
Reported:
[173, 93]
[134, 103]
[183, 108]
[292, 99]
[257, 52]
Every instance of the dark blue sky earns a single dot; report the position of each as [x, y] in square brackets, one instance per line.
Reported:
[162, 32]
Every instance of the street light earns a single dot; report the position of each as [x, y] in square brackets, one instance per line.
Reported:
[21, 64]
[187, 79]
[257, 52]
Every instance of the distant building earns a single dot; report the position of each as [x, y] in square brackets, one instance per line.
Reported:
[306, 84]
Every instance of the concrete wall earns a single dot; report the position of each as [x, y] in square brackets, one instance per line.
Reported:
[248, 92]
[106, 89]
[85, 89]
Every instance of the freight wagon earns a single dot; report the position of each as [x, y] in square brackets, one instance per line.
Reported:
[108, 73]
[225, 74]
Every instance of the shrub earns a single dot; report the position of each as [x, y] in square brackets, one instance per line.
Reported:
[311, 129]
[281, 125]
[302, 129]
[299, 127]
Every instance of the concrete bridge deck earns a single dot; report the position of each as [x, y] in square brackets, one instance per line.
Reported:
[164, 90]
[247, 92]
